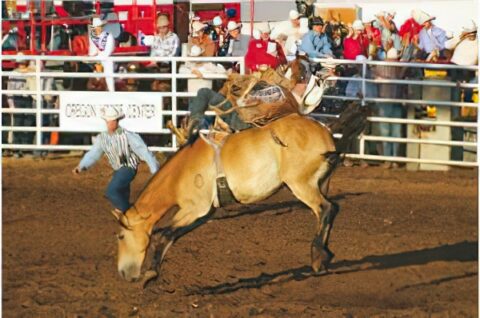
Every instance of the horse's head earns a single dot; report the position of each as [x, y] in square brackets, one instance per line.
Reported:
[133, 240]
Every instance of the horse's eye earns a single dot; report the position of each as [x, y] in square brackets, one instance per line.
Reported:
[120, 236]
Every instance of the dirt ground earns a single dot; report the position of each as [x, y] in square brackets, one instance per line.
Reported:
[405, 245]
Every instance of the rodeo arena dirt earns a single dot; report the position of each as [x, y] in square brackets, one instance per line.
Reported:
[201, 158]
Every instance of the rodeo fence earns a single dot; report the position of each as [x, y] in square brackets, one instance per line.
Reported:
[435, 144]
[432, 136]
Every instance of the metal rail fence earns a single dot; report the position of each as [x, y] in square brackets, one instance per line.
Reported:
[176, 113]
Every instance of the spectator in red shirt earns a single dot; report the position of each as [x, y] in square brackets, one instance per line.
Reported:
[373, 34]
[264, 52]
[356, 42]
[409, 29]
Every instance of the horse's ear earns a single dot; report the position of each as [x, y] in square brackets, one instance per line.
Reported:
[122, 219]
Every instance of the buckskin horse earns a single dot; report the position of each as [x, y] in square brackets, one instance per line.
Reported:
[294, 150]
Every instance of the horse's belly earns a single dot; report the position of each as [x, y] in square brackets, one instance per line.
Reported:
[256, 186]
[252, 168]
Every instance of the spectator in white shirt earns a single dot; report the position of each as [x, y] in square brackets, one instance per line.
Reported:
[102, 44]
[165, 43]
[293, 30]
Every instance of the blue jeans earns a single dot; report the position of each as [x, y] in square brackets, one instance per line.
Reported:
[199, 104]
[390, 110]
[118, 190]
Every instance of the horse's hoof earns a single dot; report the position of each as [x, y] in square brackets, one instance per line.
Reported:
[321, 258]
[148, 277]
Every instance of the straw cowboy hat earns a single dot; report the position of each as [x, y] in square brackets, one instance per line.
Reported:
[97, 22]
[421, 17]
[162, 21]
[112, 113]
[195, 51]
[232, 25]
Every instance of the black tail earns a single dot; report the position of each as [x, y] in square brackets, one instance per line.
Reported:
[350, 124]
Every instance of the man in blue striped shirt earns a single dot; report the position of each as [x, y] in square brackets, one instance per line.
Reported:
[124, 151]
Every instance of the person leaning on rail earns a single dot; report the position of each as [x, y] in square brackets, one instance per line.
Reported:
[102, 44]
[124, 150]
[315, 42]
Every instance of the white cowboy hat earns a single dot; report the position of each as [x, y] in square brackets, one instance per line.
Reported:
[263, 28]
[329, 64]
[358, 25]
[360, 58]
[217, 21]
[422, 17]
[390, 13]
[392, 54]
[195, 51]
[20, 60]
[293, 15]
[97, 22]
[112, 113]
[162, 20]
[197, 26]
[232, 25]
[313, 95]
[470, 27]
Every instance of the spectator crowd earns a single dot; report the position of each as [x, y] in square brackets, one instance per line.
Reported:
[269, 46]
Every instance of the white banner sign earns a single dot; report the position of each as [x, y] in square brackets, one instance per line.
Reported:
[82, 111]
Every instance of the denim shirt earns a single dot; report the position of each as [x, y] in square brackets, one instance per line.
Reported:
[316, 45]
[436, 41]
[135, 143]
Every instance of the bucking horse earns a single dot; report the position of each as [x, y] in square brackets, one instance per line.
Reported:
[252, 164]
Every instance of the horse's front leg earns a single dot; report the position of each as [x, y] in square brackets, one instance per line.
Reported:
[158, 247]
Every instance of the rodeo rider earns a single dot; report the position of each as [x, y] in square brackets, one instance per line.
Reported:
[124, 150]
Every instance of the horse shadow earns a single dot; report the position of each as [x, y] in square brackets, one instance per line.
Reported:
[237, 209]
[462, 252]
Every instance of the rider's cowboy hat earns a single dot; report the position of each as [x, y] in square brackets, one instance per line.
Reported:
[162, 21]
[232, 25]
[97, 22]
[112, 113]
[313, 95]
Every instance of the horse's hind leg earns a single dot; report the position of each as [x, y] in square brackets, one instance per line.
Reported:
[325, 211]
